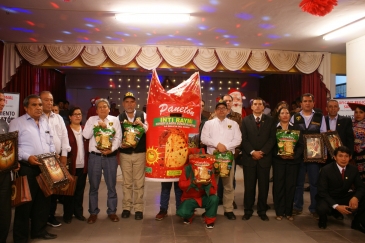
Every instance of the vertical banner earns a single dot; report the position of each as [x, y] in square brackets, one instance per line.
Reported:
[11, 109]
[173, 116]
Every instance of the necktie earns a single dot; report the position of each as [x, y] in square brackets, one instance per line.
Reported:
[258, 122]
[343, 174]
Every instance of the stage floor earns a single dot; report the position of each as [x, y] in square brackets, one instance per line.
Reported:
[303, 229]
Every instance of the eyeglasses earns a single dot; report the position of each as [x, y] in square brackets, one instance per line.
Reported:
[77, 114]
[221, 109]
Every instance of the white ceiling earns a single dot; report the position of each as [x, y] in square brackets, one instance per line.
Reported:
[259, 24]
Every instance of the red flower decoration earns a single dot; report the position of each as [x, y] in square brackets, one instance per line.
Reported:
[318, 7]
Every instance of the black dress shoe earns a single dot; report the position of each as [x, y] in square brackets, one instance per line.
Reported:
[138, 216]
[81, 218]
[246, 217]
[46, 236]
[67, 221]
[264, 217]
[322, 224]
[230, 215]
[126, 214]
[357, 226]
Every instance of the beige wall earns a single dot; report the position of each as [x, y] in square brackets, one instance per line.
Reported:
[338, 64]
[355, 50]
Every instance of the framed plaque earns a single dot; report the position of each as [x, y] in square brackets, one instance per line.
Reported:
[314, 148]
[54, 174]
[332, 141]
[8, 151]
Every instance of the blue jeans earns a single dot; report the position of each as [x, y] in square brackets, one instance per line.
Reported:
[313, 172]
[165, 195]
[96, 166]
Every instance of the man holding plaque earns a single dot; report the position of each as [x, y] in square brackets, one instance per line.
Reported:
[133, 156]
[341, 124]
[5, 185]
[308, 122]
[60, 140]
[35, 138]
[105, 136]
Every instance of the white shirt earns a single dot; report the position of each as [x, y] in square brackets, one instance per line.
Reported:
[89, 134]
[145, 124]
[80, 148]
[59, 131]
[226, 132]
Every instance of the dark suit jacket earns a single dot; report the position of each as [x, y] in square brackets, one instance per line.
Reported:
[344, 129]
[262, 139]
[331, 186]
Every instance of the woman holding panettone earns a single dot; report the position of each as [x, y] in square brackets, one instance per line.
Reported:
[286, 164]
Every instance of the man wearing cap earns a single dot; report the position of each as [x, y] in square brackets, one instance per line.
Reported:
[102, 160]
[258, 139]
[237, 117]
[223, 134]
[132, 160]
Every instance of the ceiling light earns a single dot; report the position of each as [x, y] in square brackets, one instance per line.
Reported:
[152, 17]
[344, 30]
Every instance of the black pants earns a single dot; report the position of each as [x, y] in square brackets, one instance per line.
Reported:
[72, 205]
[5, 205]
[285, 181]
[324, 209]
[252, 176]
[37, 210]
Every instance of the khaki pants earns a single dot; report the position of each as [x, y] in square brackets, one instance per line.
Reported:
[228, 190]
[133, 171]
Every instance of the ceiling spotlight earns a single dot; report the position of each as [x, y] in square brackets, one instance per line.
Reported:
[347, 29]
[164, 18]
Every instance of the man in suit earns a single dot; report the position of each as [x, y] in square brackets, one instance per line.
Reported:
[335, 193]
[258, 139]
[341, 124]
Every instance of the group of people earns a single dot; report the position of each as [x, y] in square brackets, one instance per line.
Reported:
[258, 146]
[41, 130]
[252, 140]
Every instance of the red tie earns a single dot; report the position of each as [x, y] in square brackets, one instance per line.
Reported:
[343, 174]
[258, 122]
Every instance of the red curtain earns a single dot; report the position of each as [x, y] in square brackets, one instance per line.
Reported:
[280, 87]
[312, 83]
[288, 87]
[32, 80]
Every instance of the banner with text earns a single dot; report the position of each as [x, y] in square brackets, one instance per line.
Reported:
[345, 110]
[11, 109]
